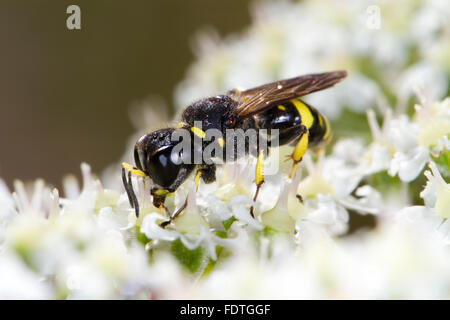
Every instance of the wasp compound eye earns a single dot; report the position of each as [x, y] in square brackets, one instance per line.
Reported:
[164, 167]
[140, 158]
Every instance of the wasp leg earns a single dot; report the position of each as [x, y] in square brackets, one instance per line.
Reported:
[259, 178]
[299, 150]
[197, 178]
[129, 186]
[175, 215]
[159, 197]
[207, 173]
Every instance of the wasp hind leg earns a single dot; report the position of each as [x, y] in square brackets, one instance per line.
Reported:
[299, 150]
[259, 178]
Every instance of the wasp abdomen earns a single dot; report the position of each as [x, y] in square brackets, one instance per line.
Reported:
[290, 118]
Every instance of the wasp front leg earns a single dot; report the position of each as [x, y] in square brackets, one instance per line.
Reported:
[176, 214]
[206, 172]
[159, 199]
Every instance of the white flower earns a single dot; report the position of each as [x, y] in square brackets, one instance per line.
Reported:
[87, 243]
[7, 210]
[434, 215]
[274, 47]
[437, 192]
[398, 260]
[152, 229]
[426, 75]
[409, 165]
[409, 158]
[327, 193]
[443, 144]
[19, 282]
[409, 144]
[206, 238]
[77, 246]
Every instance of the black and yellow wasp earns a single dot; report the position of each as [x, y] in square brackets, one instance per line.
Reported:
[270, 106]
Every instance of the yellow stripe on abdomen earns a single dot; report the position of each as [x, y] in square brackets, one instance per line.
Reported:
[306, 115]
[327, 129]
[320, 119]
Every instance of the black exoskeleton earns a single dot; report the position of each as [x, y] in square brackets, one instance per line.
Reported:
[271, 106]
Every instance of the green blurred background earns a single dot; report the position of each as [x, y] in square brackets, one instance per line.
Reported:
[64, 94]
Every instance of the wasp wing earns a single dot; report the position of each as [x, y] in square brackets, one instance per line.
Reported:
[259, 99]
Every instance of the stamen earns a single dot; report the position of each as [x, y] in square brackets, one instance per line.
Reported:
[373, 124]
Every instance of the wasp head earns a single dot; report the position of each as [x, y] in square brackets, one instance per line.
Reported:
[154, 154]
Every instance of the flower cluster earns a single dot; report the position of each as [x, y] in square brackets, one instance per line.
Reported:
[367, 219]
[387, 51]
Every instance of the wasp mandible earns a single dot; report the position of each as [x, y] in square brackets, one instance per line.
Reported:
[274, 105]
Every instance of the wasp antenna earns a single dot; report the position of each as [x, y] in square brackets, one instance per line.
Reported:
[127, 187]
[133, 195]
[130, 192]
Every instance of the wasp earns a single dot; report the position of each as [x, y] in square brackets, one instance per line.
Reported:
[275, 105]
